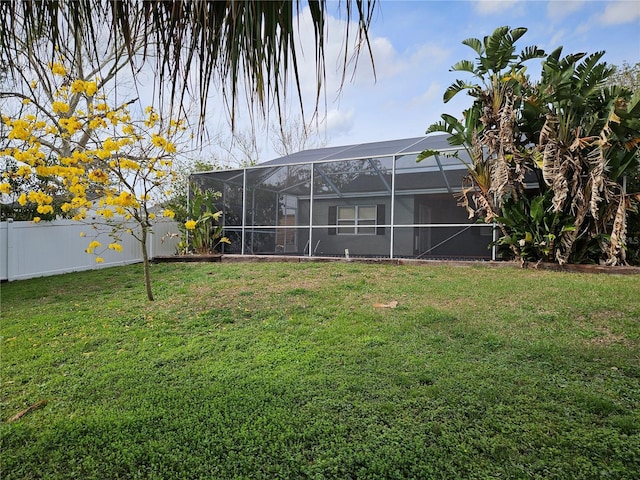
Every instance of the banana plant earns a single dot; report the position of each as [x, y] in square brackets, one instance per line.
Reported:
[578, 134]
[587, 134]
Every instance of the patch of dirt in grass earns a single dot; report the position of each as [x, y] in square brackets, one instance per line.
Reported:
[606, 338]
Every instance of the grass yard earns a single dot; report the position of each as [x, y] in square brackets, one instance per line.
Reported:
[288, 371]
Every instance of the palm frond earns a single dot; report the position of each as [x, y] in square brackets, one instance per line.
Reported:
[475, 44]
[239, 42]
[457, 87]
[426, 154]
[530, 53]
[464, 66]
[500, 48]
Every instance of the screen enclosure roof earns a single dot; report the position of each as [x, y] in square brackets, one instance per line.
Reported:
[399, 147]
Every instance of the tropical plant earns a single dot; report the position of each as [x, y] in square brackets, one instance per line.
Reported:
[200, 232]
[244, 44]
[532, 226]
[178, 201]
[569, 134]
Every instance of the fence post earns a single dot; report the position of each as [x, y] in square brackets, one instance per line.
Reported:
[11, 265]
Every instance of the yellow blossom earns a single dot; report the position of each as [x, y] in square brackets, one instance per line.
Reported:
[110, 145]
[60, 107]
[36, 219]
[99, 259]
[113, 117]
[102, 154]
[22, 199]
[80, 156]
[190, 224]
[58, 69]
[105, 212]
[169, 213]
[24, 171]
[39, 197]
[81, 215]
[98, 176]
[128, 130]
[90, 88]
[93, 245]
[152, 117]
[115, 246]
[5, 188]
[97, 122]
[77, 86]
[21, 129]
[71, 125]
[160, 141]
[77, 189]
[128, 164]
[44, 209]
[124, 199]
[26, 101]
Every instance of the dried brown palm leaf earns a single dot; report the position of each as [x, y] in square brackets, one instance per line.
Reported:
[550, 162]
[484, 206]
[463, 196]
[597, 180]
[503, 155]
[563, 181]
[568, 238]
[616, 253]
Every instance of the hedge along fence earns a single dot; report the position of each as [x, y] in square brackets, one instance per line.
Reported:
[30, 249]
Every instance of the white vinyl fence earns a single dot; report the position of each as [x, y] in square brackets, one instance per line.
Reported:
[30, 249]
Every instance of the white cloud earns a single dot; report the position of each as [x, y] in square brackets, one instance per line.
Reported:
[339, 122]
[489, 7]
[558, 9]
[620, 11]
[431, 55]
[557, 38]
[433, 93]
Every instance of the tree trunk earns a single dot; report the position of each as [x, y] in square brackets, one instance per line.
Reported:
[145, 262]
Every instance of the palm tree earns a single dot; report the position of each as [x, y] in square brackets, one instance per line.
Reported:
[240, 42]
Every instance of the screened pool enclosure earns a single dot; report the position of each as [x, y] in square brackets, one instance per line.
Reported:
[367, 200]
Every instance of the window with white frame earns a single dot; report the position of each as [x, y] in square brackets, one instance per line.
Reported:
[356, 220]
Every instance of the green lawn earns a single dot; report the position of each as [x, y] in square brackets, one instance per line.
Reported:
[267, 370]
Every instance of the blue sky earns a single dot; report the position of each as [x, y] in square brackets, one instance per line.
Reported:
[416, 42]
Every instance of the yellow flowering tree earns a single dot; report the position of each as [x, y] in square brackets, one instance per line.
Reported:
[110, 165]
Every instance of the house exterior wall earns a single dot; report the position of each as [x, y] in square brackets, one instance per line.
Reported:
[333, 243]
